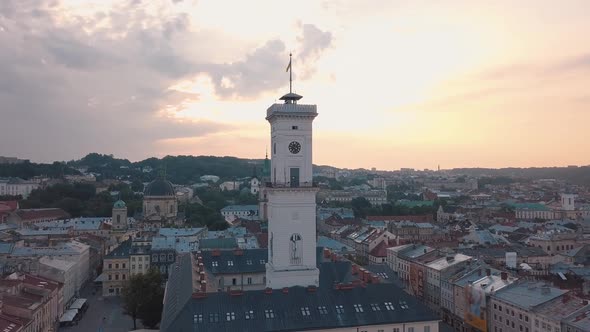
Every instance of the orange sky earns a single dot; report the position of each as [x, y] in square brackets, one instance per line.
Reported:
[397, 83]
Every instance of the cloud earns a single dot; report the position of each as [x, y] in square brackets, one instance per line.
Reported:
[73, 83]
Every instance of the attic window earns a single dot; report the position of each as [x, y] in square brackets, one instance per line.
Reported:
[198, 318]
[305, 311]
[262, 261]
[269, 313]
[249, 262]
[323, 310]
[389, 306]
[214, 263]
[294, 127]
[214, 318]
[358, 308]
[249, 314]
[403, 305]
[230, 316]
[339, 309]
[230, 263]
[375, 307]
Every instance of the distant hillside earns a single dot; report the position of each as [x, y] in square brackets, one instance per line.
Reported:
[575, 175]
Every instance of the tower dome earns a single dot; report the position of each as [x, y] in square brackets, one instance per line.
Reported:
[159, 187]
[119, 205]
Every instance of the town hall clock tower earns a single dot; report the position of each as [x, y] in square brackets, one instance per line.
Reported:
[291, 196]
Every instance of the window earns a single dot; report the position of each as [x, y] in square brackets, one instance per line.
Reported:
[141, 258]
[526, 318]
[117, 266]
[358, 308]
[110, 277]
[520, 316]
[249, 314]
[234, 281]
[230, 316]
[214, 263]
[410, 329]
[249, 262]
[294, 127]
[198, 318]
[500, 308]
[426, 328]
[268, 313]
[170, 257]
[404, 305]
[262, 261]
[339, 309]
[140, 266]
[123, 276]
[396, 329]
[249, 280]
[230, 263]
[375, 307]
[162, 257]
[323, 310]
[116, 277]
[133, 266]
[124, 265]
[389, 306]
[305, 311]
[214, 318]
[154, 258]
[133, 260]
[274, 149]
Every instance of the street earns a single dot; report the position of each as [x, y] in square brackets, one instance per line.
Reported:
[99, 308]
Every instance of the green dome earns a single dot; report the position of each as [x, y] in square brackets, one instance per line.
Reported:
[119, 205]
[159, 187]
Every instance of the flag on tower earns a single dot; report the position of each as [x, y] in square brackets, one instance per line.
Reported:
[288, 66]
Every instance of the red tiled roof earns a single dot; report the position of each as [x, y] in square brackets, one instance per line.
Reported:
[416, 218]
[17, 301]
[252, 227]
[11, 205]
[41, 282]
[262, 239]
[380, 250]
[11, 323]
[49, 213]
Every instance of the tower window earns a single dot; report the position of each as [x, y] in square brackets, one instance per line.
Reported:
[294, 127]
[296, 247]
[274, 148]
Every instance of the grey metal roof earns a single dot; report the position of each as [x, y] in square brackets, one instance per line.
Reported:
[229, 261]
[224, 312]
[528, 295]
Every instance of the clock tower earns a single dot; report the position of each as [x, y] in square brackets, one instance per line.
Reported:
[291, 196]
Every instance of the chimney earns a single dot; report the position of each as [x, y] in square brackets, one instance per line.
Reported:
[504, 275]
[285, 290]
[202, 276]
[326, 253]
[488, 272]
[268, 290]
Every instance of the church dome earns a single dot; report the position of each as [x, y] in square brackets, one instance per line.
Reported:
[159, 187]
[119, 204]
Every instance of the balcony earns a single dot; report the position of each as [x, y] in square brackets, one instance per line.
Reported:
[309, 184]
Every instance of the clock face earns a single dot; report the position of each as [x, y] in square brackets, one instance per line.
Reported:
[294, 147]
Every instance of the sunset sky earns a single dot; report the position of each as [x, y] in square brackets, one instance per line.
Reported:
[398, 83]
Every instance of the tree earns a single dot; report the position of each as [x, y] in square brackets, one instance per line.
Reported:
[143, 296]
[360, 205]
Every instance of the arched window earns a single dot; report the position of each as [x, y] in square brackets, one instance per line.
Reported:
[171, 208]
[296, 245]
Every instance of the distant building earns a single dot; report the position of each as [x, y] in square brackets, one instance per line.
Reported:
[119, 219]
[230, 186]
[375, 197]
[12, 160]
[24, 217]
[16, 187]
[248, 212]
[116, 270]
[159, 201]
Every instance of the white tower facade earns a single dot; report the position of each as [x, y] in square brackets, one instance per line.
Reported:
[568, 202]
[291, 196]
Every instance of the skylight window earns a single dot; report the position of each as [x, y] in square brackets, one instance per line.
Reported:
[339, 309]
[269, 313]
[230, 263]
[305, 311]
[375, 307]
[230, 316]
[249, 262]
[214, 318]
[214, 263]
[198, 318]
[404, 305]
[389, 306]
[358, 308]
[249, 314]
[323, 310]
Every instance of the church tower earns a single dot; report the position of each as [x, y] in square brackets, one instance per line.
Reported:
[119, 216]
[291, 196]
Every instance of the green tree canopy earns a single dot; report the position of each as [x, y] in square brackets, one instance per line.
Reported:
[142, 297]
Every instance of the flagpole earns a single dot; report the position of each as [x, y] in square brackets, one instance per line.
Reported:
[290, 74]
